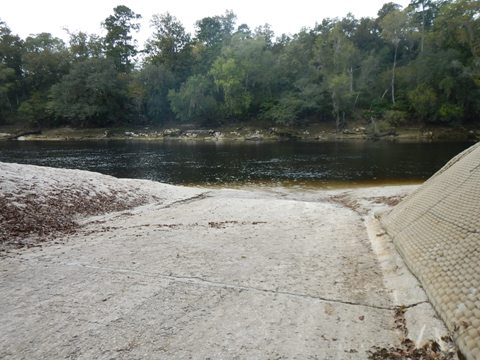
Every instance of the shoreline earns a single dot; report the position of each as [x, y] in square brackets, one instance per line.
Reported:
[243, 134]
[299, 186]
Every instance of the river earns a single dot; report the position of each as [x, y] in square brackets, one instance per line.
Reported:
[324, 164]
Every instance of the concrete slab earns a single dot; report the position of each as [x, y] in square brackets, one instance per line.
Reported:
[217, 274]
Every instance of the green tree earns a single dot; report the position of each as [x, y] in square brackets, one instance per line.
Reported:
[170, 45]
[298, 92]
[92, 94]
[366, 36]
[216, 30]
[426, 57]
[11, 72]
[457, 26]
[196, 101]
[386, 9]
[244, 32]
[229, 76]
[456, 36]
[424, 13]
[157, 81]
[337, 58]
[423, 100]
[119, 45]
[339, 86]
[45, 60]
[265, 32]
[83, 46]
[7, 83]
[211, 34]
[244, 74]
[393, 27]
[11, 49]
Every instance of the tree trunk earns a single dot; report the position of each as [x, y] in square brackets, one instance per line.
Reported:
[393, 74]
[9, 103]
[355, 102]
[375, 130]
[351, 79]
[423, 28]
[337, 112]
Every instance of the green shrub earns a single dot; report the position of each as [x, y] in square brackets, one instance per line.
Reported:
[450, 113]
[395, 117]
[379, 127]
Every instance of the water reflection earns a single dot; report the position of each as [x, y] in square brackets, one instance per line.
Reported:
[307, 164]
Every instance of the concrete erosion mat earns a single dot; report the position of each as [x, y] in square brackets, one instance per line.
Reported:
[165, 272]
[437, 230]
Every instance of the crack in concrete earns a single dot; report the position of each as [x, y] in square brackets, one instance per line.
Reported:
[189, 200]
[414, 304]
[195, 280]
[128, 212]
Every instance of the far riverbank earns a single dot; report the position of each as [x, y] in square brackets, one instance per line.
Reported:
[241, 132]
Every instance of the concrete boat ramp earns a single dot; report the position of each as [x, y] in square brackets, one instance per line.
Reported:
[213, 274]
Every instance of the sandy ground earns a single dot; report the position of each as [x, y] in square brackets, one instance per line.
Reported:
[214, 274]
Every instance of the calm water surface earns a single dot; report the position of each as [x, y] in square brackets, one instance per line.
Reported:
[316, 164]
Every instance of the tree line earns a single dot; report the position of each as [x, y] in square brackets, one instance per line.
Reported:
[420, 64]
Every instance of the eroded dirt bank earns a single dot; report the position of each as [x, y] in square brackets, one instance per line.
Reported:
[206, 273]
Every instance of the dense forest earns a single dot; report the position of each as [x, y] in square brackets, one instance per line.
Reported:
[416, 65]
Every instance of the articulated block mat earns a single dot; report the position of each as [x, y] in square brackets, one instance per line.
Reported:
[437, 231]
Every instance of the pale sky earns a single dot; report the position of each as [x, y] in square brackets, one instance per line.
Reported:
[25, 17]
